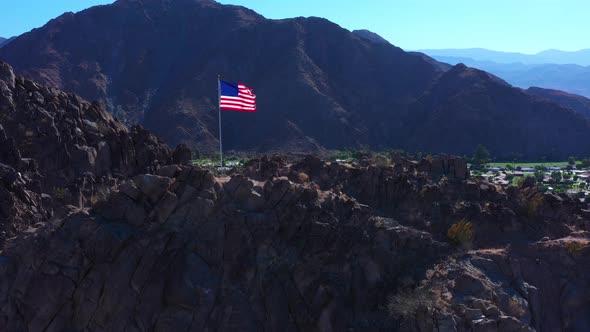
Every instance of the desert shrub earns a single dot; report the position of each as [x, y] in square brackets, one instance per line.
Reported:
[302, 177]
[520, 181]
[381, 161]
[515, 308]
[575, 247]
[461, 233]
[59, 193]
[539, 175]
[534, 206]
[481, 157]
[342, 155]
[571, 161]
[406, 304]
[100, 195]
[556, 176]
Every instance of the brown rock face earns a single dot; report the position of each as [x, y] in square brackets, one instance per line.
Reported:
[209, 255]
[72, 141]
[341, 247]
[58, 150]
[318, 85]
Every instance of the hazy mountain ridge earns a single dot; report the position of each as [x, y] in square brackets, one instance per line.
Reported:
[581, 57]
[571, 78]
[318, 85]
[5, 41]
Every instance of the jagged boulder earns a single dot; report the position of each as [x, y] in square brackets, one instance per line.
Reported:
[182, 155]
[70, 137]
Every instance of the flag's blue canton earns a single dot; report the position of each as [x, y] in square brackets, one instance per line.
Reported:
[229, 89]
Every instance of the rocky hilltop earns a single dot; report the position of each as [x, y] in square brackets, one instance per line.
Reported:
[155, 62]
[57, 149]
[305, 245]
[104, 228]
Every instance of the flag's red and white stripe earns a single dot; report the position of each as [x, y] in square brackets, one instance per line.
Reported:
[245, 101]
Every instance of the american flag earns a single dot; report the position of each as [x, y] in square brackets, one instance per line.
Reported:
[236, 97]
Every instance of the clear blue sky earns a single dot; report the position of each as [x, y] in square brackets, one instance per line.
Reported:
[506, 25]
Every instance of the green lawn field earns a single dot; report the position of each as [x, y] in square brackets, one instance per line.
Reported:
[546, 164]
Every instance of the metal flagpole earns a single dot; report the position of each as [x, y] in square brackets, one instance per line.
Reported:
[219, 107]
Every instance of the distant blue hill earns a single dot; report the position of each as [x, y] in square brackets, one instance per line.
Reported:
[4, 41]
[581, 57]
[566, 77]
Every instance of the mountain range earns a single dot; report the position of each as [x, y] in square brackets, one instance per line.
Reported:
[581, 57]
[318, 85]
[5, 41]
[572, 78]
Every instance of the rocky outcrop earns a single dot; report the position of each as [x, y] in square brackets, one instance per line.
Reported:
[314, 246]
[76, 145]
[192, 252]
[534, 287]
[59, 152]
[22, 203]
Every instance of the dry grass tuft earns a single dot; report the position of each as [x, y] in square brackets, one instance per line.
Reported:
[461, 233]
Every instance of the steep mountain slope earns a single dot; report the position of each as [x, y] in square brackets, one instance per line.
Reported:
[467, 102]
[577, 103]
[306, 87]
[317, 84]
[370, 35]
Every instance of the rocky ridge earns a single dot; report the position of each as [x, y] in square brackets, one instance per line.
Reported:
[298, 245]
[57, 149]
